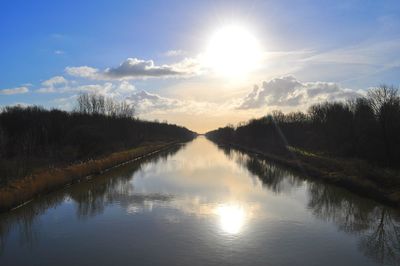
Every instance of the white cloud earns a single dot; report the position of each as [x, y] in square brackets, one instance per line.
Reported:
[59, 84]
[189, 66]
[18, 90]
[54, 81]
[284, 93]
[54, 84]
[103, 89]
[151, 103]
[124, 88]
[59, 52]
[108, 89]
[133, 68]
[17, 104]
[46, 90]
[289, 92]
[146, 102]
[83, 72]
[65, 103]
[172, 53]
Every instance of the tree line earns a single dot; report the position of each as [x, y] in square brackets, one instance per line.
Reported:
[34, 136]
[366, 128]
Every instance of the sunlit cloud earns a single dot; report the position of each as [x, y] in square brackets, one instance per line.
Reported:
[82, 72]
[196, 89]
[288, 91]
[173, 53]
[152, 103]
[134, 68]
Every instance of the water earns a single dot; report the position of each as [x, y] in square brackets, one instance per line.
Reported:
[200, 205]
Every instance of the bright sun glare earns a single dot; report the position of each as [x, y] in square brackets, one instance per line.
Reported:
[231, 217]
[233, 51]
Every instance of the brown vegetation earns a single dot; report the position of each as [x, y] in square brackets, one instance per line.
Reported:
[354, 144]
[381, 184]
[43, 181]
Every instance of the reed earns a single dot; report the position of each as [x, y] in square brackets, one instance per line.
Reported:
[42, 181]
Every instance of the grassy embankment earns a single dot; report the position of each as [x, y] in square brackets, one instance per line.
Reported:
[22, 190]
[358, 176]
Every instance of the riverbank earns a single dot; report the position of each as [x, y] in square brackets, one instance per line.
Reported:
[23, 190]
[357, 176]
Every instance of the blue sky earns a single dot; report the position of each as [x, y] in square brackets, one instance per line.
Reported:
[338, 47]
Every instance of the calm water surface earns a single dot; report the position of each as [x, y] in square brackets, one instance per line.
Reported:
[200, 205]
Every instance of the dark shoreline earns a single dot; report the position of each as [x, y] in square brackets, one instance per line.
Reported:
[22, 191]
[300, 164]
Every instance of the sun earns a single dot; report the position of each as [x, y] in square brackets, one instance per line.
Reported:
[231, 217]
[233, 51]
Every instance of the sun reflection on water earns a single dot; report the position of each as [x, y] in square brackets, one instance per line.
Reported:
[231, 217]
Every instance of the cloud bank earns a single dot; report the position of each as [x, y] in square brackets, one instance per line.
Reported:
[289, 92]
[134, 68]
[285, 93]
[151, 103]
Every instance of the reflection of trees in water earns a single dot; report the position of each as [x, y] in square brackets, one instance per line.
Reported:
[329, 203]
[272, 176]
[383, 239]
[91, 199]
[115, 187]
[376, 226]
[23, 219]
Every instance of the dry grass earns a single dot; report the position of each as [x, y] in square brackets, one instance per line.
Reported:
[43, 181]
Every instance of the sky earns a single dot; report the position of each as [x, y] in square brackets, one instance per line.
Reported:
[200, 64]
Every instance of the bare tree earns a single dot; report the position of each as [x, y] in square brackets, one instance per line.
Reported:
[98, 104]
[83, 103]
[381, 96]
[111, 107]
[126, 110]
[385, 102]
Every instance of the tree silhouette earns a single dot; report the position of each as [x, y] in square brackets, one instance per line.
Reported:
[366, 128]
[33, 137]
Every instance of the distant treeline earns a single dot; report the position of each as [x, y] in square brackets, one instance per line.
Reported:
[366, 128]
[34, 136]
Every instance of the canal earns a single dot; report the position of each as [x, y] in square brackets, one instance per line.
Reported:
[200, 204]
